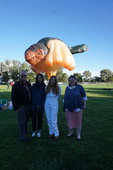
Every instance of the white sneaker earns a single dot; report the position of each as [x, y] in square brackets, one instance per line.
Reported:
[34, 134]
[38, 134]
[78, 137]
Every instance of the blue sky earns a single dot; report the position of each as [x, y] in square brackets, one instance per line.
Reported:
[90, 22]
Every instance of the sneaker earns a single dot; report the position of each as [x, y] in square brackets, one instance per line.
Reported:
[78, 137]
[70, 134]
[33, 134]
[51, 136]
[38, 134]
[56, 138]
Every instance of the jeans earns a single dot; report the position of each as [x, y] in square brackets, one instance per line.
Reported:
[37, 120]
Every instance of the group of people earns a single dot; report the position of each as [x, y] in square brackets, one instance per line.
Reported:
[31, 102]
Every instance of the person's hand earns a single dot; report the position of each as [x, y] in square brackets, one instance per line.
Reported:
[84, 106]
[17, 110]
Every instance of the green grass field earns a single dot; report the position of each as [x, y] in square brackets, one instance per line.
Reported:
[93, 152]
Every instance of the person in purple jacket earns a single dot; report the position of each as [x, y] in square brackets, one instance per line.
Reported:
[74, 103]
[38, 99]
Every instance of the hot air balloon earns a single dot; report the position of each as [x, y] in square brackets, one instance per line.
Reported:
[49, 55]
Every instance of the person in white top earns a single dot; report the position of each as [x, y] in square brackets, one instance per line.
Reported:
[53, 92]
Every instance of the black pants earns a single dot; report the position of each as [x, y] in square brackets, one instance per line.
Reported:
[23, 118]
[37, 120]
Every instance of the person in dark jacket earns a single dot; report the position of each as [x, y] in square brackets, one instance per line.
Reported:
[21, 100]
[38, 99]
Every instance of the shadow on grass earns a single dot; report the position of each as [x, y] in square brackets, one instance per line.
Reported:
[106, 93]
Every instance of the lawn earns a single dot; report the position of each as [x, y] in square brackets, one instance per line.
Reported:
[93, 152]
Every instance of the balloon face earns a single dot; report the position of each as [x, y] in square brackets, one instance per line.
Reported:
[50, 55]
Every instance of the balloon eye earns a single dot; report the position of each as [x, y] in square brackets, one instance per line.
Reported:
[39, 53]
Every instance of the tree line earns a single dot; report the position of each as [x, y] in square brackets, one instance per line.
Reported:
[10, 70]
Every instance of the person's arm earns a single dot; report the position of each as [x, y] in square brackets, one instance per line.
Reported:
[59, 91]
[14, 99]
[84, 104]
[84, 97]
[34, 97]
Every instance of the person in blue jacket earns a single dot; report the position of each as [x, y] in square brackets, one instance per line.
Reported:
[38, 99]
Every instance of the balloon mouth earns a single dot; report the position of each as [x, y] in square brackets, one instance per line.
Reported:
[35, 61]
[28, 58]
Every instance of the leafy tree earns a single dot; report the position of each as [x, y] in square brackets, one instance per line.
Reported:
[78, 77]
[15, 75]
[86, 75]
[97, 79]
[2, 67]
[111, 79]
[61, 77]
[64, 78]
[5, 76]
[8, 64]
[16, 64]
[17, 67]
[45, 77]
[31, 76]
[25, 66]
[106, 75]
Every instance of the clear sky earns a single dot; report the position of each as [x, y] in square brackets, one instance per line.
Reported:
[90, 22]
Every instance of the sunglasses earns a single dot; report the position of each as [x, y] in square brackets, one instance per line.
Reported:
[23, 75]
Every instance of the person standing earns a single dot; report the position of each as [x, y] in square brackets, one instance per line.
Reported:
[38, 99]
[74, 104]
[8, 85]
[21, 100]
[53, 92]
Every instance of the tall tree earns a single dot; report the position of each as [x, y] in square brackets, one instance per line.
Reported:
[78, 77]
[5, 76]
[97, 79]
[62, 77]
[25, 66]
[15, 75]
[86, 75]
[31, 76]
[2, 67]
[106, 75]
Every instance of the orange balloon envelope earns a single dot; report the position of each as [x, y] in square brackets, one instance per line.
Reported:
[51, 54]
